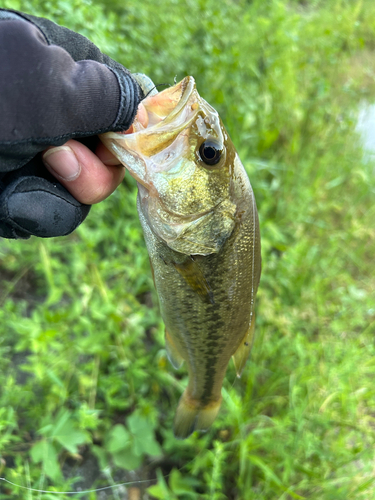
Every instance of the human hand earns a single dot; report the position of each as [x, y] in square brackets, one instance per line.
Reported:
[58, 92]
[89, 177]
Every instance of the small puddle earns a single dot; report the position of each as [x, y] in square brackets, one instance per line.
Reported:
[366, 129]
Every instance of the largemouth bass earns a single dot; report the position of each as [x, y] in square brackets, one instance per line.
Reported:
[200, 224]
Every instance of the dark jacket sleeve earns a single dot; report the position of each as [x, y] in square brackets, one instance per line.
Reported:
[54, 85]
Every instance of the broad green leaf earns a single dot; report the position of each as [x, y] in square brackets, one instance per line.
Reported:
[127, 459]
[156, 491]
[138, 424]
[144, 440]
[71, 438]
[64, 431]
[146, 443]
[38, 451]
[161, 490]
[44, 451]
[101, 455]
[182, 485]
[152, 447]
[62, 418]
[46, 430]
[51, 465]
[119, 438]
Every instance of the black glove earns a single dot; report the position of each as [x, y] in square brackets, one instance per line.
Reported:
[55, 85]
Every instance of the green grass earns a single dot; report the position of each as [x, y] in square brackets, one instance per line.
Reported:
[83, 371]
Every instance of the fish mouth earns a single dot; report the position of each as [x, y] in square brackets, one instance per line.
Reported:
[169, 113]
[163, 107]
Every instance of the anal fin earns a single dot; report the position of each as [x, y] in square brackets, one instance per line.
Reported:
[241, 355]
[173, 355]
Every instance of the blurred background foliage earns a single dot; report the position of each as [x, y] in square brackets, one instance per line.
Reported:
[87, 395]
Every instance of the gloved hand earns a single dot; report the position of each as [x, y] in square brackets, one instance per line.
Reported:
[55, 86]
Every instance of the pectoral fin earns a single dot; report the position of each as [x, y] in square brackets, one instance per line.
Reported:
[194, 277]
[243, 350]
[206, 234]
[173, 355]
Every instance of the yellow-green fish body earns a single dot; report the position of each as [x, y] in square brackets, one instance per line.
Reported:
[200, 223]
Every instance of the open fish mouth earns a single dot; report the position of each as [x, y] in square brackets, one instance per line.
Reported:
[168, 113]
[166, 105]
[162, 108]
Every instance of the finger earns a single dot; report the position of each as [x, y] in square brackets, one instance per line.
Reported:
[105, 156]
[142, 115]
[83, 174]
[142, 118]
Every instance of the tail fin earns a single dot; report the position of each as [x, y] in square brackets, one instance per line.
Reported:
[191, 416]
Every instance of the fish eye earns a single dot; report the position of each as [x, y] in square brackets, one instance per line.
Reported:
[210, 153]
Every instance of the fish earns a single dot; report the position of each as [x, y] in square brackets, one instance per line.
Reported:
[200, 223]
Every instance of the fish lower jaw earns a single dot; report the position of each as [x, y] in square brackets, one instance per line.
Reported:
[193, 415]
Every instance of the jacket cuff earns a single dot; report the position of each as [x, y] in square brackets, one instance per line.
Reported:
[130, 96]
